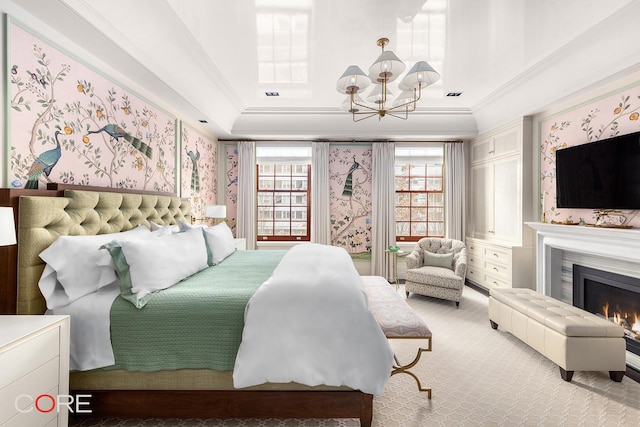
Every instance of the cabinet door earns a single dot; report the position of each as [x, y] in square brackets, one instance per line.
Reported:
[507, 215]
[482, 200]
[481, 150]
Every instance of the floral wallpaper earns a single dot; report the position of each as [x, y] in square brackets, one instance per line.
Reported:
[69, 124]
[231, 177]
[350, 197]
[613, 115]
[198, 170]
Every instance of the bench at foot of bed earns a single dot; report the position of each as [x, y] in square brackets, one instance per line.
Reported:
[398, 321]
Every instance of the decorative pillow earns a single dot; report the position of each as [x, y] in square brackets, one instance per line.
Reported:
[175, 228]
[77, 267]
[220, 242]
[438, 260]
[149, 265]
[184, 226]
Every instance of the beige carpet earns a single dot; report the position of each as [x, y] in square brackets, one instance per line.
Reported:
[479, 377]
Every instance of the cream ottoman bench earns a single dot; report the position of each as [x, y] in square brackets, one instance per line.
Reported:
[397, 320]
[570, 337]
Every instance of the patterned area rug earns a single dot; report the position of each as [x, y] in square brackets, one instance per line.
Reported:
[479, 377]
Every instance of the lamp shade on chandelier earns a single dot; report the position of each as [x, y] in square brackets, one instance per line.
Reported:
[387, 68]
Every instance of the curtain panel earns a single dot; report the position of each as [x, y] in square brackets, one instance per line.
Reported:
[454, 169]
[246, 216]
[383, 225]
[320, 212]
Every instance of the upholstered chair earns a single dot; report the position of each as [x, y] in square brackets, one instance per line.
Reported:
[437, 268]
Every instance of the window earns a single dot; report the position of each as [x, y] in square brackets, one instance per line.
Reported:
[284, 193]
[419, 187]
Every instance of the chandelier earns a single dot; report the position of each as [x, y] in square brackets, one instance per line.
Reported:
[384, 70]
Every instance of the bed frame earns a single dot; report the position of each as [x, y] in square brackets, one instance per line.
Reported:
[44, 215]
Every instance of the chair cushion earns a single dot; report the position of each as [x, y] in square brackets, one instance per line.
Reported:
[438, 260]
[435, 276]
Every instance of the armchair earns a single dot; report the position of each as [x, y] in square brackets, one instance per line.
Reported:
[437, 268]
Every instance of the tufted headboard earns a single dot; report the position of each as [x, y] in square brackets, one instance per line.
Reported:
[42, 220]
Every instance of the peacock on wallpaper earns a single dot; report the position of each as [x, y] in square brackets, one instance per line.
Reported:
[199, 181]
[69, 124]
[350, 197]
[231, 177]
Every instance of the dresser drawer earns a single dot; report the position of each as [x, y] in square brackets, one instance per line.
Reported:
[35, 417]
[474, 273]
[495, 282]
[497, 255]
[31, 353]
[39, 381]
[495, 269]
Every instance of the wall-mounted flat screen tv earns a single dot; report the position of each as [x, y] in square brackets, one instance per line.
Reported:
[600, 175]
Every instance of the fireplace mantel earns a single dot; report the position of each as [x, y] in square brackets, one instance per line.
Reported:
[552, 239]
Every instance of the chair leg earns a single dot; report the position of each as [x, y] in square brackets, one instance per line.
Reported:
[457, 304]
[407, 294]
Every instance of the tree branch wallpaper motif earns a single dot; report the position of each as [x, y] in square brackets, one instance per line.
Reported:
[231, 179]
[71, 125]
[605, 118]
[199, 176]
[350, 197]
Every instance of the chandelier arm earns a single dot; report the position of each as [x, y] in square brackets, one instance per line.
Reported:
[414, 101]
[354, 102]
[404, 117]
[365, 116]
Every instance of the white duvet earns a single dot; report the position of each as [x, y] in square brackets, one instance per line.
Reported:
[309, 323]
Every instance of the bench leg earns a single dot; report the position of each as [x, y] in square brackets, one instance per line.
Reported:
[616, 375]
[494, 325]
[566, 375]
[398, 368]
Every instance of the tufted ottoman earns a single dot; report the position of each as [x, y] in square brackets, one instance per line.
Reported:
[570, 337]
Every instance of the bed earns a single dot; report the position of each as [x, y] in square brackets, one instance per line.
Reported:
[193, 393]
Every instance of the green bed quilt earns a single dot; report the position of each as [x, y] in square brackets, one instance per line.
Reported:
[196, 323]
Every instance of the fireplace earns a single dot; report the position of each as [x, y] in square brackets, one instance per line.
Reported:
[613, 296]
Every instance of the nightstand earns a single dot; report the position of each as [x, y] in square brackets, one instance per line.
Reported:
[34, 355]
[394, 265]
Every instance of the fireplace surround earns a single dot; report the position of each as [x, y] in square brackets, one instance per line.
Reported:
[609, 249]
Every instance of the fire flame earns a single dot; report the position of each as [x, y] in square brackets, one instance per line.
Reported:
[621, 319]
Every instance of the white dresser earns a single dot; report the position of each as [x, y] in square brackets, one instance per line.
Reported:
[499, 266]
[34, 361]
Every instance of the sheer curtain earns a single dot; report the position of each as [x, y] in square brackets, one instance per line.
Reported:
[383, 226]
[320, 216]
[454, 170]
[246, 216]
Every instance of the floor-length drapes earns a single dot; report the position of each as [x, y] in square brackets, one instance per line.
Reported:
[383, 226]
[454, 170]
[320, 215]
[246, 216]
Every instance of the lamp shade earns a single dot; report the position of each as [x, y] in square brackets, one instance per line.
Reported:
[420, 75]
[346, 104]
[7, 227]
[387, 64]
[376, 95]
[353, 77]
[404, 97]
[215, 211]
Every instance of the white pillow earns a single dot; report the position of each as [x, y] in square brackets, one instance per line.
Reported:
[220, 242]
[148, 265]
[184, 226]
[175, 228]
[77, 266]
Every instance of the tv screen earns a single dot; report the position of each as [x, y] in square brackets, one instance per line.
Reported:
[600, 175]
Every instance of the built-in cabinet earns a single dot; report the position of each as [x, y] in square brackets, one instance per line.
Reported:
[34, 361]
[499, 244]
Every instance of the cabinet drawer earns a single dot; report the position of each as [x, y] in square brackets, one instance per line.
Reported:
[28, 355]
[35, 417]
[33, 384]
[474, 273]
[495, 269]
[495, 282]
[474, 260]
[497, 255]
